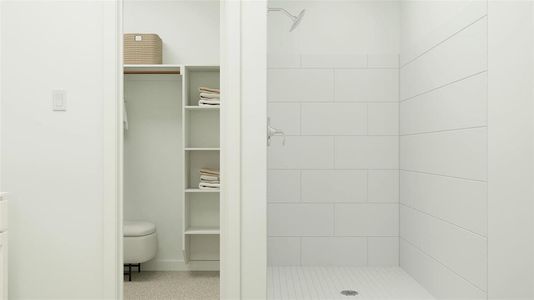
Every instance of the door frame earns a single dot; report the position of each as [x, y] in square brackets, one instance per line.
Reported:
[243, 39]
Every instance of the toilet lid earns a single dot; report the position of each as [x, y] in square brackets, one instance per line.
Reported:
[138, 228]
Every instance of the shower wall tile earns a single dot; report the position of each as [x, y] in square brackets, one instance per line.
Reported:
[286, 116]
[283, 251]
[462, 55]
[334, 251]
[367, 85]
[457, 201]
[383, 118]
[440, 109]
[334, 119]
[304, 219]
[460, 250]
[283, 60]
[383, 251]
[334, 186]
[302, 152]
[383, 61]
[383, 186]
[434, 276]
[367, 152]
[283, 186]
[350, 61]
[461, 153]
[367, 219]
[296, 85]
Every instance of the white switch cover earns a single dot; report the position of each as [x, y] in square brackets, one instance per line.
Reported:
[59, 100]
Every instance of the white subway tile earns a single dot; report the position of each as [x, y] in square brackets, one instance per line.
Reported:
[436, 278]
[462, 251]
[383, 186]
[334, 119]
[383, 119]
[383, 251]
[283, 251]
[283, 60]
[285, 116]
[383, 61]
[462, 55]
[334, 60]
[301, 152]
[334, 186]
[293, 85]
[458, 201]
[367, 152]
[367, 85]
[334, 251]
[303, 219]
[459, 105]
[283, 186]
[367, 219]
[460, 153]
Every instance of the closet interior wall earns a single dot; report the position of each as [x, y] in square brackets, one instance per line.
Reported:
[154, 176]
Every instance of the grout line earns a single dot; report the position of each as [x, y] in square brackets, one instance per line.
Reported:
[443, 220]
[441, 175]
[333, 236]
[333, 169]
[329, 102]
[332, 202]
[331, 67]
[442, 264]
[443, 86]
[443, 41]
[444, 130]
[343, 135]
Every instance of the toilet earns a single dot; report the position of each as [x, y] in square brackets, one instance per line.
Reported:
[140, 244]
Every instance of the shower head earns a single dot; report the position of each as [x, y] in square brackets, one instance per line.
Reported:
[295, 19]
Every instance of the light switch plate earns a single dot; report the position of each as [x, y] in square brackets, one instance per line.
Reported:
[59, 100]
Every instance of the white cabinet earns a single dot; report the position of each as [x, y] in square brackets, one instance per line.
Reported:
[3, 247]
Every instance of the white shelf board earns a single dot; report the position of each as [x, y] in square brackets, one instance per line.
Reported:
[202, 231]
[201, 149]
[152, 68]
[202, 191]
[196, 107]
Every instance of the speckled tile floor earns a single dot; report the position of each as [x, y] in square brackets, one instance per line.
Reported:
[172, 285]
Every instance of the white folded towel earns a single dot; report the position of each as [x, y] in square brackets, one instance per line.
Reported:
[205, 102]
[210, 90]
[208, 186]
[207, 178]
[209, 96]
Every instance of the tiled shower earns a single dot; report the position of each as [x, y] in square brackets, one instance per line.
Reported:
[384, 104]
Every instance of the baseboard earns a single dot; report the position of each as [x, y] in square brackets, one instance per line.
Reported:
[180, 265]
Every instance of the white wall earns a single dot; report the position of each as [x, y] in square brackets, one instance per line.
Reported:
[189, 29]
[333, 89]
[466, 147]
[53, 162]
[443, 146]
[511, 150]
[153, 183]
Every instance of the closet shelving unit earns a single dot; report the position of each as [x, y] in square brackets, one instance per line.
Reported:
[201, 126]
[200, 140]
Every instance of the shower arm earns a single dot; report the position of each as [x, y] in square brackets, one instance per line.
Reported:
[282, 10]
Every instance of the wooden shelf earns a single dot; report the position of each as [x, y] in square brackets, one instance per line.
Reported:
[202, 191]
[152, 69]
[201, 149]
[202, 231]
[196, 107]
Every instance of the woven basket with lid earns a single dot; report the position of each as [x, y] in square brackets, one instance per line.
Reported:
[142, 48]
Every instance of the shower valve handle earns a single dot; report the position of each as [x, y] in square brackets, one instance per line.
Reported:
[271, 131]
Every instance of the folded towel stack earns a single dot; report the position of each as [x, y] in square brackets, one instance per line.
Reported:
[209, 179]
[209, 96]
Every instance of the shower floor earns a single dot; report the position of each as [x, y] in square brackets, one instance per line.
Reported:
[328, 282]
